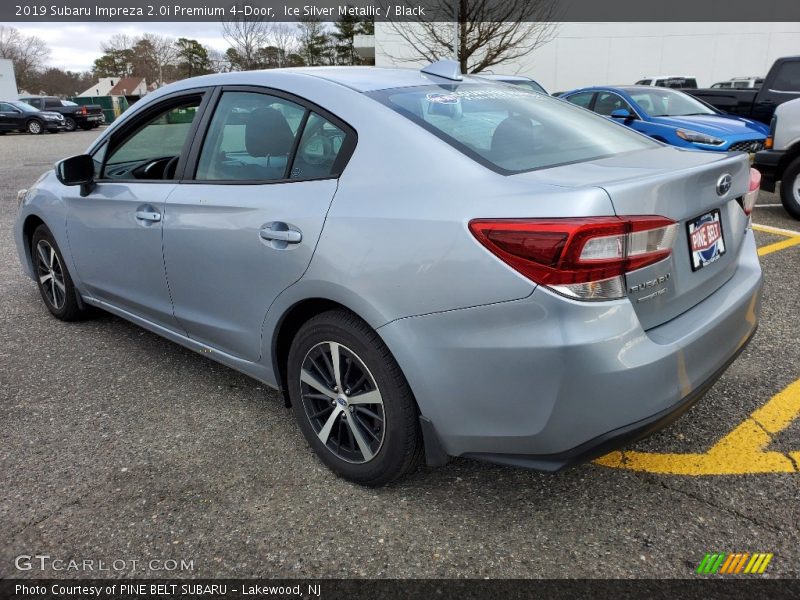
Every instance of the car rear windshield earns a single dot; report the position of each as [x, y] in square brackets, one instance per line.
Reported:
[510, 129]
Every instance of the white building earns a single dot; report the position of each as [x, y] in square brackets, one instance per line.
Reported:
[8, 81]
[582, 54]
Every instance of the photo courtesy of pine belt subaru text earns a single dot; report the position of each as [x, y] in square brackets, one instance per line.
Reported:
[427, 265]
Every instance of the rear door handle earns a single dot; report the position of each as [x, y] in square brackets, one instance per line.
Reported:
[146, 215]
[280, 232]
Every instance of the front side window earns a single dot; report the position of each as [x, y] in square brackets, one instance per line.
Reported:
[608, 102]
[153, 150]
[509, 129]
[6, 107]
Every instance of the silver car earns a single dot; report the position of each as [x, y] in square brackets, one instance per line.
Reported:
[424, 264]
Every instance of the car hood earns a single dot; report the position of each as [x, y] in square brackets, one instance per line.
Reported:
[719, 125]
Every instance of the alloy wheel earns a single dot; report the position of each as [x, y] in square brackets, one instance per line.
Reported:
[34, 127]
[51, 274]
[342, 402]
[796, 189]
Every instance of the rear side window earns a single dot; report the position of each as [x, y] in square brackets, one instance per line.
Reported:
[583, 99]
[509, 129]
[788, 77]
[259, 137]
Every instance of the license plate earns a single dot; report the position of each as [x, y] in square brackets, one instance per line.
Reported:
[706, 242]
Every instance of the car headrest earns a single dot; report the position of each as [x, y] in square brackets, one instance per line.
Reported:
[267, 133]
[513, 137]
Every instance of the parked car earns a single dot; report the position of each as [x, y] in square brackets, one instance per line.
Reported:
[673, 117]
[520, 80]
[740, 83]
[780, 160]
[781, 84]
[423, 262]
[19, 116]
[86, 117]
[669, 81]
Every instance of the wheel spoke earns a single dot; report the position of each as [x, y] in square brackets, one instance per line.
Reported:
[335, 357]
[369, 413]
[308, 378]
[359, 437]
[60, 285]
[325, 432]
[42, 254]
[45, 278]
[371, 397]
[52, 256]
[364, 426]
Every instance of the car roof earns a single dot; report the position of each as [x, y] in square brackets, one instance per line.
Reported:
[361, 79]
[668, 77]
[496, 77]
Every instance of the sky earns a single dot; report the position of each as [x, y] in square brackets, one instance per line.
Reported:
[75, 46]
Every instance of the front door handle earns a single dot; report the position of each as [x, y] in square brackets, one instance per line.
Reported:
[280, 232]
[147, 215]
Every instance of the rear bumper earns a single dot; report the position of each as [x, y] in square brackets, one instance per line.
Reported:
[546, 382]
[768, 162]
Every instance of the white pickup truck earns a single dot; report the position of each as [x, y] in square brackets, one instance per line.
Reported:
[780, 160]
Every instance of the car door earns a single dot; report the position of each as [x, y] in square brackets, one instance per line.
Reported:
[115, 232]
[246, 225]
[8, 117]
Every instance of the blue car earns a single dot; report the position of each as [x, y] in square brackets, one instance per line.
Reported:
[672, 117]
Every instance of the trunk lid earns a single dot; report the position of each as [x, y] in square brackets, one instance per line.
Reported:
[681, 185]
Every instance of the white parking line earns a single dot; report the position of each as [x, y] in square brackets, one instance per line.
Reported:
[768, 205]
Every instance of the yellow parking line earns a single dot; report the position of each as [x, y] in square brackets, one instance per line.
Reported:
[783, 244]
[741, 452]
[793, 239]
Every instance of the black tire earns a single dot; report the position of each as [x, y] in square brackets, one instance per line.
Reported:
[34, 127]
[790, 195]
[70, 124]
[65, 306]
[400, 448]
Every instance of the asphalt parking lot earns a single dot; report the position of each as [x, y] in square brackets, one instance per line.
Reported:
[119, 445]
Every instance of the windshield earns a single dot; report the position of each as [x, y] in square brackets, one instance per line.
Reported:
[510, 129]
[24, 106]
[662, 102]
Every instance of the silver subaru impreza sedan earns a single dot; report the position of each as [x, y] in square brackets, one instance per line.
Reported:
[425, 264]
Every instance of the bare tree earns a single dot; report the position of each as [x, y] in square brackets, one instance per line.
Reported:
[489, 32]
[27, 53]
[164, 52]
[246, 35]
[284, 37]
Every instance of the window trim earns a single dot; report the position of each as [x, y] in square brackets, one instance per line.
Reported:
[132, 125]
[204, 124]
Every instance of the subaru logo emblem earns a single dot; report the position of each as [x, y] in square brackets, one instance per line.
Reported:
[724, 184]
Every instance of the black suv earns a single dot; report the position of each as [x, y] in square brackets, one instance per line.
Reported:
[18, 116]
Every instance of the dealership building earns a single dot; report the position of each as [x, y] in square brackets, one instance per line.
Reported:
[582, 54]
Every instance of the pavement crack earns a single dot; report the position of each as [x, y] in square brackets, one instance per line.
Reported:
[58, 509]
[723, 508]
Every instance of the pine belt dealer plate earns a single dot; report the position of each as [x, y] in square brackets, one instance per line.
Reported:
[706, 242]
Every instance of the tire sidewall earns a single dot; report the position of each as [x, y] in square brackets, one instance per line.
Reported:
[70, 124]
[788, 200]
[70, 309]
[390, 457]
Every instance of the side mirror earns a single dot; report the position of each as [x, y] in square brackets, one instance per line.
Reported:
[77, 170]
[621, 113]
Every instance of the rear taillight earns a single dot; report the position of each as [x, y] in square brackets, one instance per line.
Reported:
[580, 258]
[84, 110]
[749, 199]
